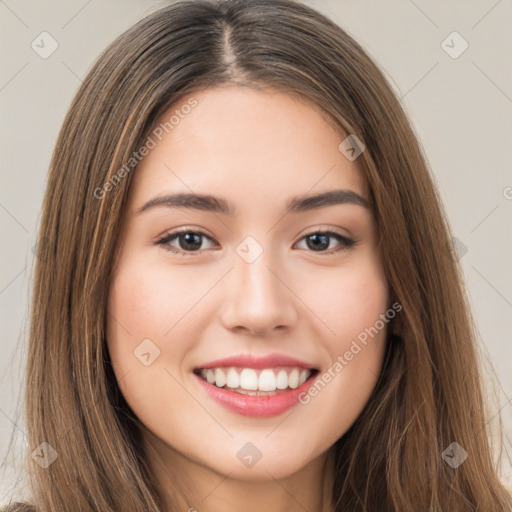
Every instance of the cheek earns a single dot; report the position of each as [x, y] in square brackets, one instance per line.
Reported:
[148, 300]
[350, 301]
[138, 300]
[138, 311]
[354, 307]
[145, 317]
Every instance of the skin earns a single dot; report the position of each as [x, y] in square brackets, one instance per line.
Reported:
[256, 149]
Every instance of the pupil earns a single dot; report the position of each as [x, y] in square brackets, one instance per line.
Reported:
[196, 244]
[324, 243]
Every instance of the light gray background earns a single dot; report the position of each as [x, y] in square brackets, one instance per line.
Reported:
[461, 109]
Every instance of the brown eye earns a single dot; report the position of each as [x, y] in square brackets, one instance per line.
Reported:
[188, 241]
[319, 241]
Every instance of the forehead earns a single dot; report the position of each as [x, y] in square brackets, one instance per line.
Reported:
[246, 145]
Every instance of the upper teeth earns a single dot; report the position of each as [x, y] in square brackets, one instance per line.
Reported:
[269, 379]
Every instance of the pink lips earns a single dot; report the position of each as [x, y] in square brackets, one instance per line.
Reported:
[251, 361]
[251, 405]
[258, 406]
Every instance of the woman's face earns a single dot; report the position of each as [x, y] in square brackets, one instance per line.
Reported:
[258, 285]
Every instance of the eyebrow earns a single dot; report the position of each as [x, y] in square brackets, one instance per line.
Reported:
[206, 202]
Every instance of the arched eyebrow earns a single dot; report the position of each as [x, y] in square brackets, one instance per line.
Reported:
[207, 202]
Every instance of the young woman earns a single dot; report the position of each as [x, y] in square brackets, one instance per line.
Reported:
[244, 296]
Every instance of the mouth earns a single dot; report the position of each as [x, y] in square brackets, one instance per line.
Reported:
[256, 381]
[256, 392]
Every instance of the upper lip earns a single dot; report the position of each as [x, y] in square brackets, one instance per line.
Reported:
[252, 361]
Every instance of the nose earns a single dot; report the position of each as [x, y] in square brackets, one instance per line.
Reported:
[259, 298]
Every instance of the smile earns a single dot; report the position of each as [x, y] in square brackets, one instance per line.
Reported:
[256, 386]
[256, 382]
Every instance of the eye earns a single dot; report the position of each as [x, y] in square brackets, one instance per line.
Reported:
[319, 240]
[190, 241]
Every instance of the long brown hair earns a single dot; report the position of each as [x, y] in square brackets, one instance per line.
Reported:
[430, 391]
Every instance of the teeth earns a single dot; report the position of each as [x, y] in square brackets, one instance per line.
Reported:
[249, 382]
[210, 376]
[248, 379]
[220, 378]
[293, 379]
[233, 379]
[267, 381]
[282, 380]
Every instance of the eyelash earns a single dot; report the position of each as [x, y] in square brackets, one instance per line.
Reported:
[345, 243]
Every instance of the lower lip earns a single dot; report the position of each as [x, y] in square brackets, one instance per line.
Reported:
[255, 406]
